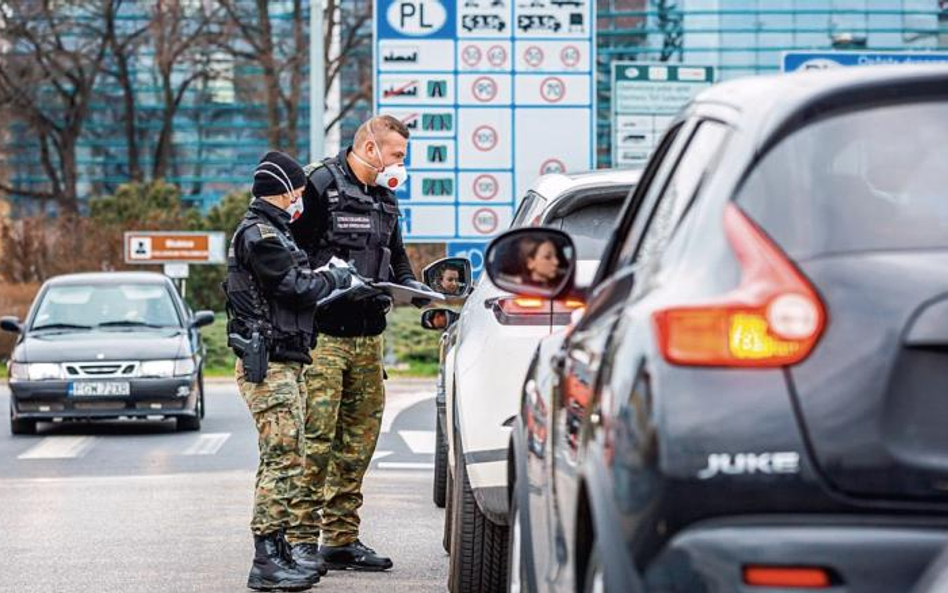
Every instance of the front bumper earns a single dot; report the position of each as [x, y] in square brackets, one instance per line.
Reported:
[47, 400]
[862, 555]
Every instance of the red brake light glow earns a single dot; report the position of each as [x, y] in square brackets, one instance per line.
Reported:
[787, 577]
[773, 318]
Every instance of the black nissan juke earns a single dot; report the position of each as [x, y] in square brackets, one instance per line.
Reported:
[756, 397]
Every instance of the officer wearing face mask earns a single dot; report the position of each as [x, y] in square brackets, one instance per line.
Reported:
[271, 302]
[351, 213]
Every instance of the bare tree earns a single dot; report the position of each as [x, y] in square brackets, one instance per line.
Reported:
[249, 35]
[47, 80]
[181, 38]
[124, 45]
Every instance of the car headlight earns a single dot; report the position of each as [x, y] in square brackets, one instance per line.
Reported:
[36, 371]
[166, 368]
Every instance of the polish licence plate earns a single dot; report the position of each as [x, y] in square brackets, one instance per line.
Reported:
[87, 388]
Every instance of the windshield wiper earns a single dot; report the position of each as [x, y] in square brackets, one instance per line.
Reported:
[59, 326]
[124, 323]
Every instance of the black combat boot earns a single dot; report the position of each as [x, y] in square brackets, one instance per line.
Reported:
[355, 556]
[273, 567]
[307, 556]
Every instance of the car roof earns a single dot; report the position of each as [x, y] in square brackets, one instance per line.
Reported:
[553, 185]
[109, 278]
[766, 103]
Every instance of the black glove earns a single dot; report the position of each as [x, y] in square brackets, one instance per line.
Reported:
[383, 302]
[341, 277]
[418, 301]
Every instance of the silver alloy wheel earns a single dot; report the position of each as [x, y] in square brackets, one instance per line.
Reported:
[514, 584]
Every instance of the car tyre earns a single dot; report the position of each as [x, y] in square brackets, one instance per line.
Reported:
[448, 509]
[478, 546]
[439, 494]
[22, 426]
[201, 397]
[193, 423]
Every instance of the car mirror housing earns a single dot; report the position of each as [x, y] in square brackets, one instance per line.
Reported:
[532, 261]
[202, 318]
[438, 319]
[10, 323]
[450, 276]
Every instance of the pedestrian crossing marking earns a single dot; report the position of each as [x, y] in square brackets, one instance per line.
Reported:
[59, 447]
[420, 442]
[207, 444]
[380, 455]
[404, 465]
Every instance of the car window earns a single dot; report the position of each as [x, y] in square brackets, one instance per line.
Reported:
[589, 227]
[705, 145]
[868, 180]
[527, 206]
[93, 305]
[654, 172]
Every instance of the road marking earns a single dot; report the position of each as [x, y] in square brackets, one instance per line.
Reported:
[207, 444]
[419, 441]
[404, 465]
[59, 448]
[381, 455]
[397, 402]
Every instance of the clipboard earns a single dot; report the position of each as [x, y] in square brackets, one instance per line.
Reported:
[402, 295]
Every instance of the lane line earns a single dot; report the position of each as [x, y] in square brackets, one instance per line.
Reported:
[207, 444]
[419, 441]
[404, 465]
[59, 448]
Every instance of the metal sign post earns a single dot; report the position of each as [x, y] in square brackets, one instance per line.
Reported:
[495, 93]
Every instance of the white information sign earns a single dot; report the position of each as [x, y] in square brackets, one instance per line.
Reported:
[495, 93]
[645, 98]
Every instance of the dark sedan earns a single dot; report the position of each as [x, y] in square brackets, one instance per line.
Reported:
[105, 346]
[754, 399]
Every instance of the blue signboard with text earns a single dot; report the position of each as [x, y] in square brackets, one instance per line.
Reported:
[821, 60]
[495, 93]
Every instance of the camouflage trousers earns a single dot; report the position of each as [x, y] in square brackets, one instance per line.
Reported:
[277, 407]
[345, 399]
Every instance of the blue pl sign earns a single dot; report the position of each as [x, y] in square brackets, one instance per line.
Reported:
[473, 252]
[805, 60]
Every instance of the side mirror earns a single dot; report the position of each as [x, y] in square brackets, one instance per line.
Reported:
[450, 276]
[438, 319]
[10, 323]
[202, 318]
[532, 261]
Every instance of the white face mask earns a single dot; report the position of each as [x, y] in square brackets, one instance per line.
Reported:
[295, 209]
[392, 176]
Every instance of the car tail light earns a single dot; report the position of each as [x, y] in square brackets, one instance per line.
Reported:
[533, 310]
[787, 577]
[773, 318]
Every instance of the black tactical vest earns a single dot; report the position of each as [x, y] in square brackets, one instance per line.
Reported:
[248, 309]
[360, 226]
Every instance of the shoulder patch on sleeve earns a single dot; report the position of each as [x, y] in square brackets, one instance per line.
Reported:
[267, 231]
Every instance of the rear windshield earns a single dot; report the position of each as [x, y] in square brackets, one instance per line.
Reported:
[590, 227]
[875, 179]
[111, 304]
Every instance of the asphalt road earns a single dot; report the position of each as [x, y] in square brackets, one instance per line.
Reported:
[136, 507]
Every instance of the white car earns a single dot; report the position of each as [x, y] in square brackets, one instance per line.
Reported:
[486, 354]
